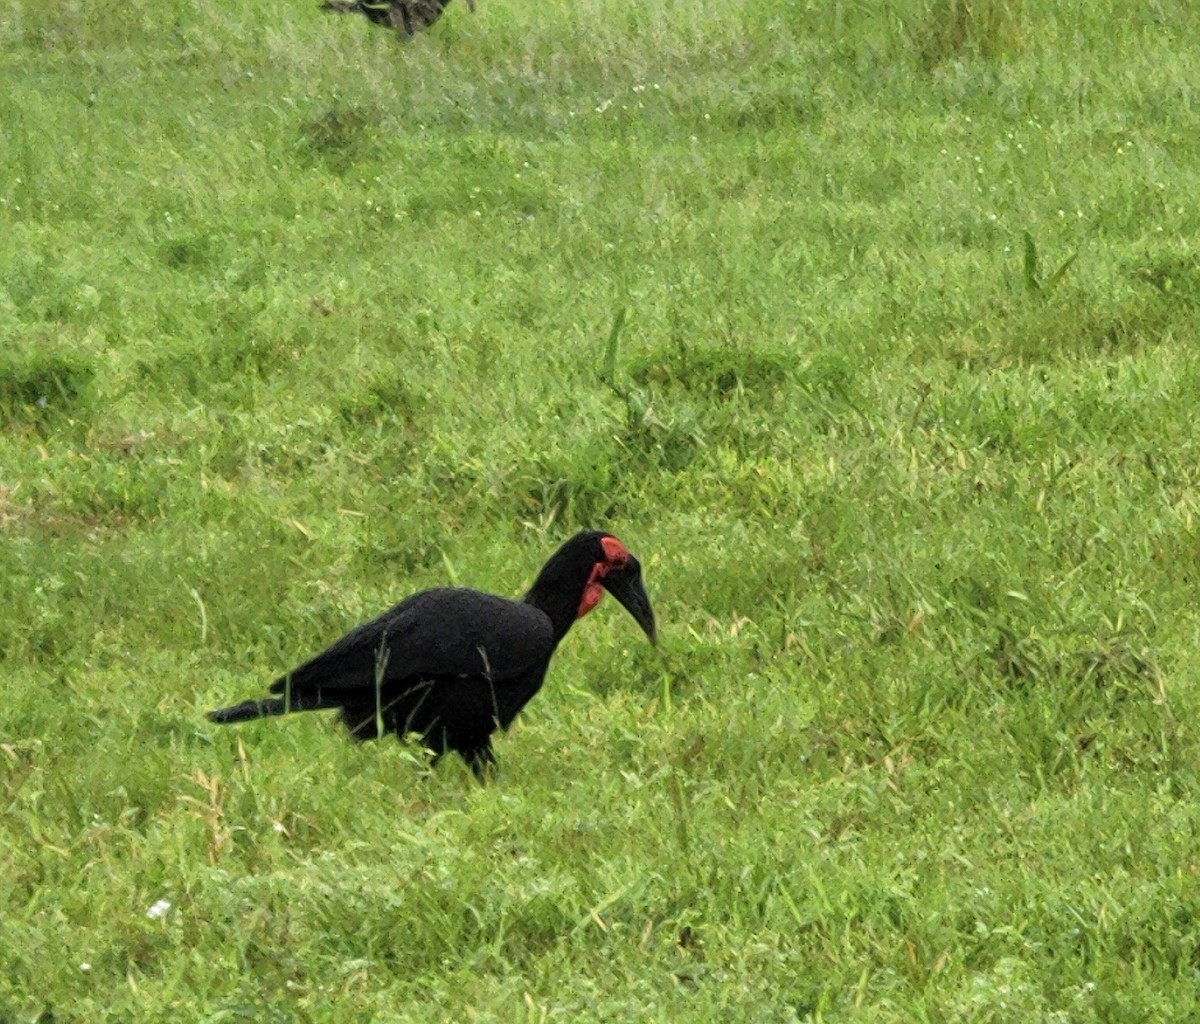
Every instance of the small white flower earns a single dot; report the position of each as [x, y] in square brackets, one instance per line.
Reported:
[85, 967]
[158, 909]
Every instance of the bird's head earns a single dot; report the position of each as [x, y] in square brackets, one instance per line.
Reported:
[614, 569]
[572, 582]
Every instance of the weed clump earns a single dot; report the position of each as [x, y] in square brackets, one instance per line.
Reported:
[715, 372]
[339, 136]
[959, 28]
[37, 388]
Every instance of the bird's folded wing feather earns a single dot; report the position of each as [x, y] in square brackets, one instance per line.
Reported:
[446, 632]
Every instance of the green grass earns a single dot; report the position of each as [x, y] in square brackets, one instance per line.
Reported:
[295, 320]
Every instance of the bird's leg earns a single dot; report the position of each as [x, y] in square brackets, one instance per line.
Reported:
[482, 761]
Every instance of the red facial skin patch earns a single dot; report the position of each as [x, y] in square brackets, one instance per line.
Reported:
[615, 557]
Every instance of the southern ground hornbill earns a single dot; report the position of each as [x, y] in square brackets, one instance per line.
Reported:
[452, 664]
[406, 16]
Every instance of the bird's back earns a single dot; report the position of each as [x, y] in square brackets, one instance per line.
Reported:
[444, 633]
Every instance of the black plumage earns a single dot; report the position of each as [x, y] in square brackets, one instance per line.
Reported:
[453, 664]
[407, 17]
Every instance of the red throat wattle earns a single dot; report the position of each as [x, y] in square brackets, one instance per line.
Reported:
[615, 556]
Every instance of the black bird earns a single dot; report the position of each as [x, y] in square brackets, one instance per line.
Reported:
[452, 664]
[406, 16]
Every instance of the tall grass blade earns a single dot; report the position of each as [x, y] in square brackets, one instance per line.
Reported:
[608, 368]
[1033, 283]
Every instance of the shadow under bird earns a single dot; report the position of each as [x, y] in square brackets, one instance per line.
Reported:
[408, 17]
[453, 664]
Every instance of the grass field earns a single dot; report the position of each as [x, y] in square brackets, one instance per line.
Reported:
[872, 329]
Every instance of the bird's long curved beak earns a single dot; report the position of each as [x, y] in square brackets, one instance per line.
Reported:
[625, 584]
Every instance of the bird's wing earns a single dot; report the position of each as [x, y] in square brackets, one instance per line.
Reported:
[441, 633]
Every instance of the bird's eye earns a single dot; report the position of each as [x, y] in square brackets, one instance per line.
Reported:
[615, 554]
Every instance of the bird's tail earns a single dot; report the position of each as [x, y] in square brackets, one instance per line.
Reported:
[382, 12]
[249, 709]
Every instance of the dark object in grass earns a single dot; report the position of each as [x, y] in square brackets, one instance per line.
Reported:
[406, 16]
[452, 664]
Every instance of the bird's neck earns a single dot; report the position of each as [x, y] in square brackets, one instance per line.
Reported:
[559, 598]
